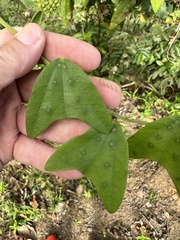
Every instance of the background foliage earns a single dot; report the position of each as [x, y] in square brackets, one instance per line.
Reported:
[133, 40]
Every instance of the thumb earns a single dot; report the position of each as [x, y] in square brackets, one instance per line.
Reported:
[21, 53]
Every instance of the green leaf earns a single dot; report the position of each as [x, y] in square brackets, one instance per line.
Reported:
[84, 3]
[28, 3]
[63, 90]
[139, 59]
[64, 10]
[156, 5]
[121, 11]
[37, 18]
[115, 1]
[103, 158]
[163, 11]
[159, 141]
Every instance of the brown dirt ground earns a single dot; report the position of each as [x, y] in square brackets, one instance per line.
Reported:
[150, 204]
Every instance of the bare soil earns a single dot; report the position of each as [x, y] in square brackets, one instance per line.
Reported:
[151, 204]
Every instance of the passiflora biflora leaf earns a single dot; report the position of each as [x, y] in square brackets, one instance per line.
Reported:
[159, 141]
[103, 158]
[63, 90]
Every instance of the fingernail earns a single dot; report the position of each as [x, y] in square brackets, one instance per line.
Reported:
[29, 35]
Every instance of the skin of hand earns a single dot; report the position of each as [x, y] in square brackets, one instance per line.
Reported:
[18, 55]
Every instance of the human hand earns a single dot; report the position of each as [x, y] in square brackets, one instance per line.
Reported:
[18, 55]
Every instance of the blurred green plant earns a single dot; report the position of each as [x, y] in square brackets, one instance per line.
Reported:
[151, 197]
[150, 105]
[139, 52]
[143, 236]
[14, 12]
[14, 215]
[26, 197]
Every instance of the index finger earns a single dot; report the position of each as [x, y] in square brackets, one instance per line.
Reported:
[81, 53]
[61, 46]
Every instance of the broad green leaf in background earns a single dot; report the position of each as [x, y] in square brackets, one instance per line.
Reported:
[159, 141]
[85, 3]
[64, 10]
[163, 12]
[37, 18]
[103, 158]
[28, 3]
[115, 1]
[63, 90]
[156, 5]
[121, 11]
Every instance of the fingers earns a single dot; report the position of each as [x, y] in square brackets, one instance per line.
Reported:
[83, 54]
[59, 132]
[35, 153]
[26, 84]
[61, 46]
[19, 55]
[109, 90]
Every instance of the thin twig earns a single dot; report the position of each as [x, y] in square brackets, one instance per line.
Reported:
[171, 42]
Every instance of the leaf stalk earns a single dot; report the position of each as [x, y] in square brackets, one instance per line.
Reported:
[125, 118]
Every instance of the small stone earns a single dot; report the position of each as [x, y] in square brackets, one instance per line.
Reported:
[79, 190]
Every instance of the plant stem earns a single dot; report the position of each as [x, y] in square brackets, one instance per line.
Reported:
[7, 26]
[112, 113]
[13, 31]
[44, 60]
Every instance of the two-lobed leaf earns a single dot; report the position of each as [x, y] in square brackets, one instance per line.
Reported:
[63, 90]
[159, 141]
[103, 158]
